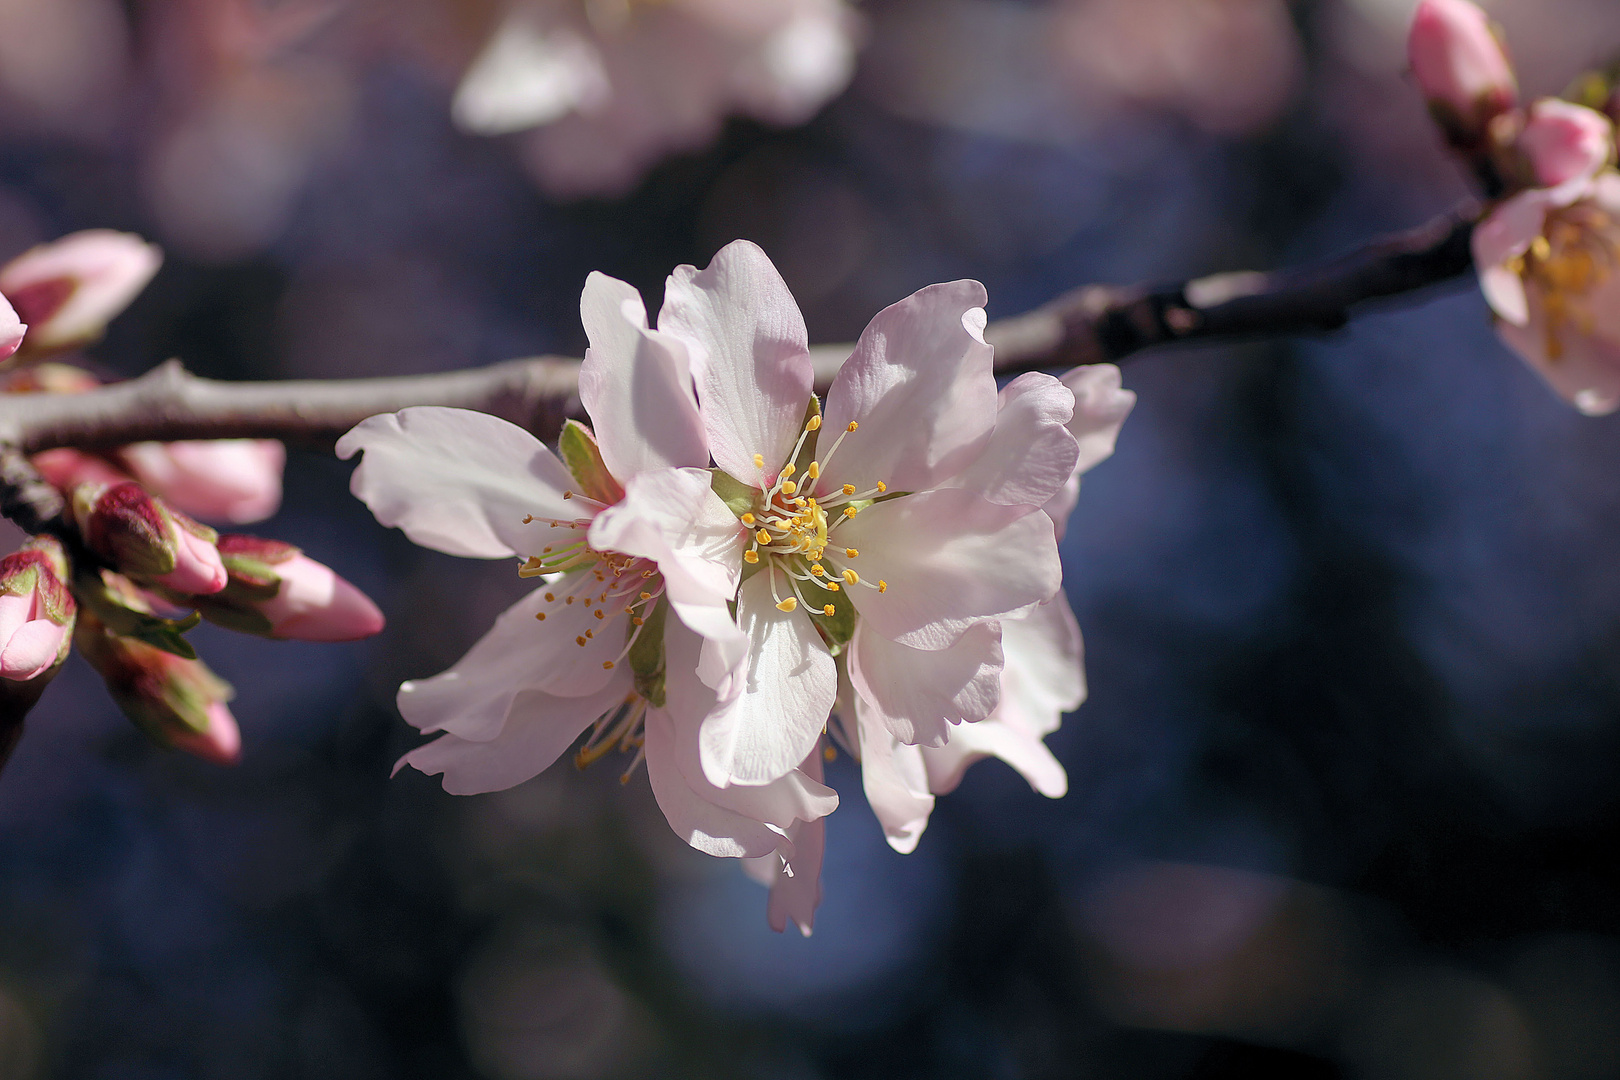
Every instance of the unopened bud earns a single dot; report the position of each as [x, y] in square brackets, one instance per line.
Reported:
[177, 702]
[234, 480]
[69, 289]
[1562, 141]
[1461, 67]
[276, 591]
[36, 610]
[143, 538]
[12, 329]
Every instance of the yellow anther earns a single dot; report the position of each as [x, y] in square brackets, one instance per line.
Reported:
[832, 586]
[527, 518]
[750, 557]
[814, 424]
[852, 426]
[817, 570]
[580, 641]
[607, 665]
[801, 504]
[850, 553]
[763, 536]
[759, 461]
[570, 600]
[638, 620]
[629, 611]
[850, 511]
[599, 614]
[814, 470]
[590, 633]
[851, 577]
[568, 495]
[788, 470]
[789, 487]
[749, 519]
[829, 610]
[648, 573]
[849, 489]
[540, 615]
[882, 487]
[790, 604]
[883, 586]
[646, 596]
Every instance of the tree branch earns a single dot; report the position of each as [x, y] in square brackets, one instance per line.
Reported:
[1094, 324]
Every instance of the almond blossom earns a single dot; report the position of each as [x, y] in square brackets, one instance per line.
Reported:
[611, 86]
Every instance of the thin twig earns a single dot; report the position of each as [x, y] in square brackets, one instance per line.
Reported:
[1094, 324]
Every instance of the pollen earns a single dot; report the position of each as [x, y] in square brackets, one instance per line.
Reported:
[580, 641]
[607, 665]
[749, 519]
[882, 487]
[540, 615]
[849, 489]
[851, 577]
[599, 614]
[789, 487]
[814, 424]
[852, 426]
[568, 495]
[763, 536]
[817, 569]
[529, 519]
[832, 586]
[759, 461]
[570, 600]
[814, 470]
[850, 553]
[750, 557]
[788, 470]
[790, 604]
[883, 586]
[829, 610]
[646, 596]
[638, 620]
[850, 511]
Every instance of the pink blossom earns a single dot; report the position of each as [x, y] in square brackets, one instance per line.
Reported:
[1564, 141]
[69, 289]
[220, 743]
[143, 538]
[12, 329]
[1461, 67]
[232, 480]
[36, 610]
[314, 604]
[1549, 265]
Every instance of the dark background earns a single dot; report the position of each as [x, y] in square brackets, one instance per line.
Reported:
[1343, 801]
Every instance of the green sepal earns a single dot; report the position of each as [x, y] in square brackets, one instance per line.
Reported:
[836, 629]
[578, 450]
[114, 602]
[647, 656]
[167, 634]
[740, 498]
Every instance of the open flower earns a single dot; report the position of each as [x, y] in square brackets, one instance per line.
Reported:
[612, 86]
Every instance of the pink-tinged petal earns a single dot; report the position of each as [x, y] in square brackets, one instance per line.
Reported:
[220, 744]
[636, 384]
[750, 357]
[1586, 373]
[1044, 675]
[539, 729]
[16, 611]
[1565, 141]
[713, 830]
[921, 387]
[673, 517]
[993, 738]
[895, 782]
[949, 559]
[1031, 455]
[233, 480]
[519, 654]
[1457, 61]
[461, 482]
[69, 289]
[314, 604]
[12, 329]
[919, 695]
[1100, 409]
[31, 649]
[794, 797]
[197, 566]
[782, 702]
[795, 879]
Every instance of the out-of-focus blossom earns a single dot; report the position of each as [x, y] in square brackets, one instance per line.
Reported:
[1461, 67]
[37, 610]
[623, 529]
[232, 480]
[615, 85]
[175, 701]
[62, 64]
[1549, 264]
[69, 289]
[1561, 141]
[12, 329]
[143, 538]
[276, 591]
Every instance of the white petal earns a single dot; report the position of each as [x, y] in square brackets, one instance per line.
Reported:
[949, 559]
[750, 357]
[918, 695]
[992, 738]
[1031, 454]
[637, 385]
[782, 702]
[1100, 409]
[796, 883]
[1044, 673]
[519, 653]
[895, 781]
[527, 76]
[712, 829]
[459, 481]
[921, 387]
[540, 729]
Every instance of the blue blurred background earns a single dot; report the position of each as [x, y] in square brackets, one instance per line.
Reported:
[1343, 802]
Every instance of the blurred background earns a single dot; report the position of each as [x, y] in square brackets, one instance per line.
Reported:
[1343, 802]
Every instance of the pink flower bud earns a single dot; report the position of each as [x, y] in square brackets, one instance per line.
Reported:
[69, 289]
[1563, 141]
[11, 329]
[234, 480]
[36, 610]
[221, 743]
[1461, 68]
[146, 540]
[276, 591]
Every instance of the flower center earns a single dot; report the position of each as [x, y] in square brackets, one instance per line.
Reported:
[605, 584]
[1566, 265]
[795, 530]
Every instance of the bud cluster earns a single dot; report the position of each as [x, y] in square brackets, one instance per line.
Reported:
[135, 569]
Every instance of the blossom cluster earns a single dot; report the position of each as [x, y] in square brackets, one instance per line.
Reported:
[1548, 252]
[737, 575]
[134, 568]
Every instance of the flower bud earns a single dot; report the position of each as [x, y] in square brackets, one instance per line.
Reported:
[234, 480]
[1461, 67]
[276, 591]
[1562, 141]
[177, 702]
[11, 329]
[69, 289]
[141, 537]
[36, 610]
